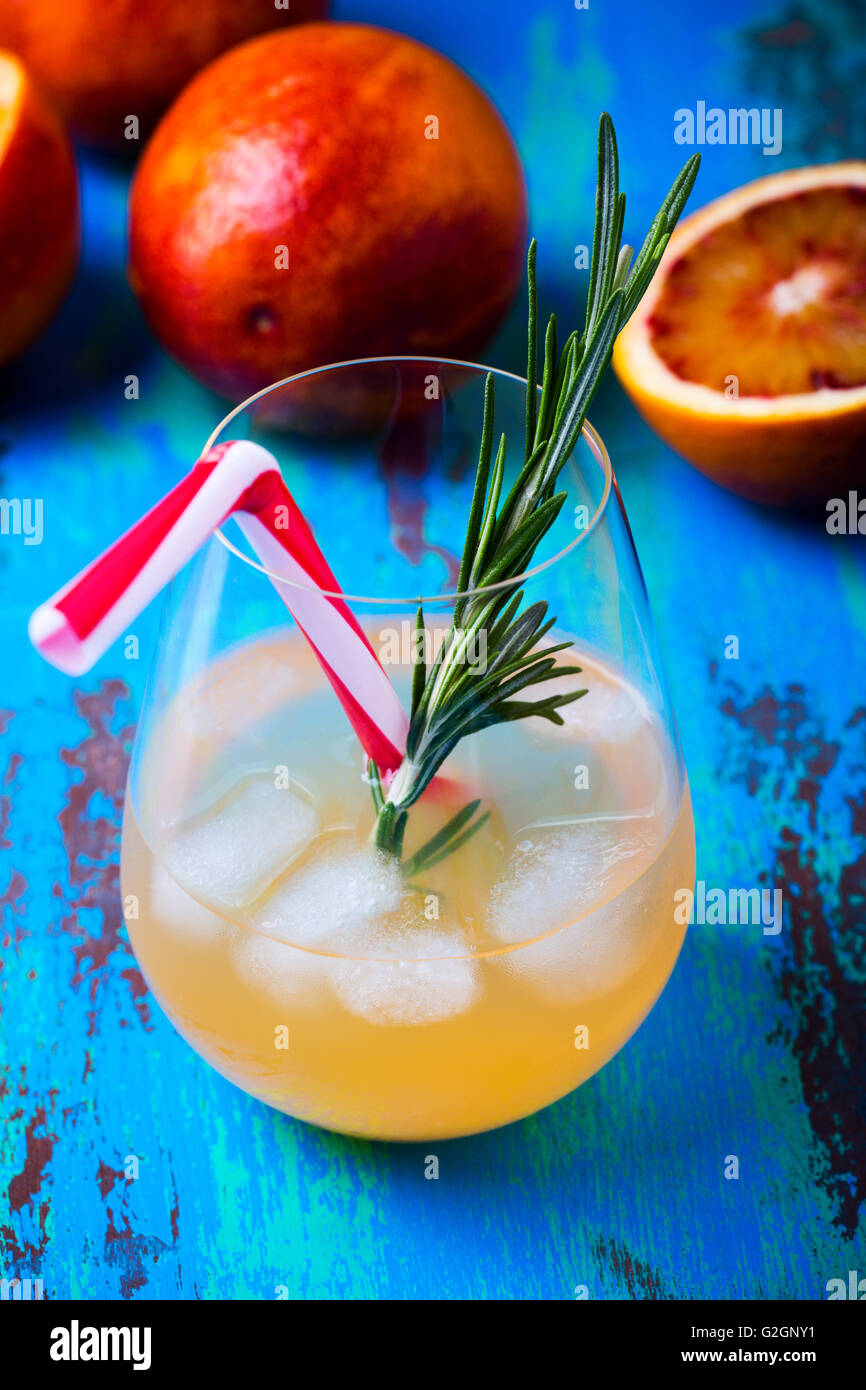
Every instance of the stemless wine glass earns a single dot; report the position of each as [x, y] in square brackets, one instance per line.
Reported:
[342, 985]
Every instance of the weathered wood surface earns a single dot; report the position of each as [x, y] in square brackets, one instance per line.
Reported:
[757, 1045]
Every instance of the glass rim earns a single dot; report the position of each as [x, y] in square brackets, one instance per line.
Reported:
[588, 432]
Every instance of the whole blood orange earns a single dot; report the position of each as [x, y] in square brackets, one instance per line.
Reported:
[748, 353]
[39, 219]
[330, 192]
[104, 60]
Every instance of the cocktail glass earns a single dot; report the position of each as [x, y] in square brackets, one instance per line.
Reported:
[314, 972]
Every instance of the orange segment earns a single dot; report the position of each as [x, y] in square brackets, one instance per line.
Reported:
[748, 354]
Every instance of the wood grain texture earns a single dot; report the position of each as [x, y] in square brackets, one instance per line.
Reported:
[757, 1045]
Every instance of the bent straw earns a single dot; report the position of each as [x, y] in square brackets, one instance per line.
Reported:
[74, 628]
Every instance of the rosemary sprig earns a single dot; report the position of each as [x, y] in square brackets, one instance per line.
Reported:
[453, 698]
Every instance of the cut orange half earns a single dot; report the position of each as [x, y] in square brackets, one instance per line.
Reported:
[38, 210]
[748, 352]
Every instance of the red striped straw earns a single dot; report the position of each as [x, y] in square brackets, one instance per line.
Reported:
[75, 627]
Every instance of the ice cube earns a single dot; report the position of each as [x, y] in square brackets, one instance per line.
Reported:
[241, 692]
[410, 992]
[609, 712]
[328, 905]
[387, 963]
[590, 956]
[182, 914]
[555, 873]
[415, 973]
[287, 974]
[330, 901]
[554, 879]
[235, 851]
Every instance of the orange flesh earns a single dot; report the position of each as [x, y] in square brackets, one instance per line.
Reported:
[776, 298]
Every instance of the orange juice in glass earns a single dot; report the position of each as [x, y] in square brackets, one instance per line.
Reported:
[421, 995]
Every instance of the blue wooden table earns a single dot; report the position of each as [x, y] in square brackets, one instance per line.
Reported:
[756, 1048]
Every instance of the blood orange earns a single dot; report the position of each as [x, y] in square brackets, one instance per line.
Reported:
[101, 61]
[748, 353]
[329, 192]
[39, 226]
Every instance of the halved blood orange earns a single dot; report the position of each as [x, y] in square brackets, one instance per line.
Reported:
[748, 353]
[38, 210]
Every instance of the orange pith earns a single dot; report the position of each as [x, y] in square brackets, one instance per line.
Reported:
[776, 297]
